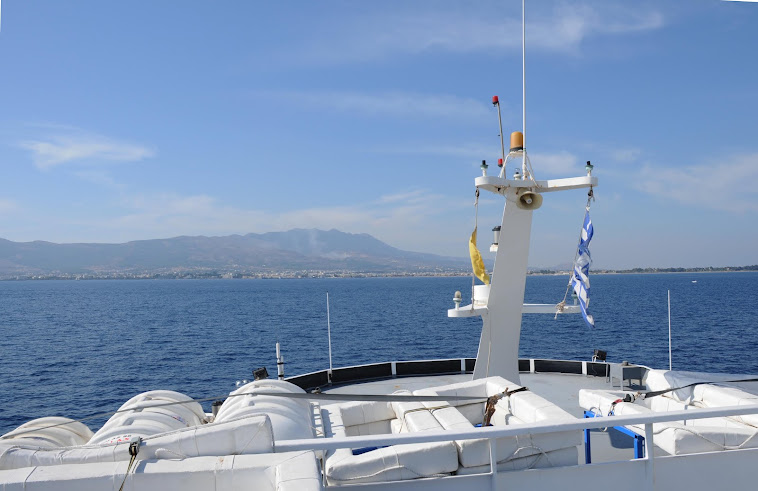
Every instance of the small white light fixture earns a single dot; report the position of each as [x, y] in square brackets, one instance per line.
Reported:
[457, 300]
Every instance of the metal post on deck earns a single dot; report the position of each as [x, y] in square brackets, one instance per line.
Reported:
[279, 362]
[493, 462]
[649, 453]
[329, 335]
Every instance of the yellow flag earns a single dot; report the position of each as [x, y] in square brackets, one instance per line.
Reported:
[476, 260]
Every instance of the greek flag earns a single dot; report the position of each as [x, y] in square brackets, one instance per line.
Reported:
[579, 278]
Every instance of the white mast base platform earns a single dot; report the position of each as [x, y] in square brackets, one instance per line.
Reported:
[528, 308]
[499, 185]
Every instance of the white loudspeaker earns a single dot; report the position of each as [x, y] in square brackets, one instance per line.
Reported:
[528, 200]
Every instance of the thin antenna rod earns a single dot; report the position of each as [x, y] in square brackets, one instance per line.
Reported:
[669, 291]
[502, 142]
[523, 84]
[329, 332]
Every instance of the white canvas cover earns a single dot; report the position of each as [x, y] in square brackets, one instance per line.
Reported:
[290, 471]
[673, 437]
[251, 435]
[518, 408]
[397, 462]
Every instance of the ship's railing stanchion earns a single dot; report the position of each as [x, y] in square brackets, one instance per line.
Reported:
[329, 335]
[649, 453]
[493, 461]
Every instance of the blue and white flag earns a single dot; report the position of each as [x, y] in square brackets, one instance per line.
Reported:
[579, 278]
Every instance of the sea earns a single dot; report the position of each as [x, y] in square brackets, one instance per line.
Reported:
[77, 348]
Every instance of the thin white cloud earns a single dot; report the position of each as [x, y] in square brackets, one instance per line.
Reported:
[554, 164]
[562, 28]
[546, 164]
[394, 104]
[410, 196]
[470, 151]
[726, 185]
[77, 147]
[7, 205]
[626, 155]
[97, 177]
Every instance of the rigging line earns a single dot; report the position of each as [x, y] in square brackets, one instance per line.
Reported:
[473, 282]
[291, 395]
[531, 170]
[654, 393]
[133, 451]
[476, 229]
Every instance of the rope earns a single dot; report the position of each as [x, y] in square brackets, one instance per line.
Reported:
[385, 470]
[663, 427]
[559, 307]
[133, 451]
[473, 282]
[654, 393]
[492, 401]
[529, 167]
[309, 396]
[597, 414]
[476, 228]
[540, 453]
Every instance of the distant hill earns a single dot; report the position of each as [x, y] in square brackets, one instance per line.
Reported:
[297, 249]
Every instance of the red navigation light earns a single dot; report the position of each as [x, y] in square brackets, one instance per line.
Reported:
[499, 162]
[495, 100]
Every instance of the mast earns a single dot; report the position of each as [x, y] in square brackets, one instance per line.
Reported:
[501, 303]
[523, 85]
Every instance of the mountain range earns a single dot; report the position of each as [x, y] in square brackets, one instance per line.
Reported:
[298, 249]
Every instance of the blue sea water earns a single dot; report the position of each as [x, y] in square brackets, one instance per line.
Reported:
[73, 348]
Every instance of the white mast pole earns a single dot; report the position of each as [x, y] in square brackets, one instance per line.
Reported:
[329, 333]
[523, 85]
[669, 297]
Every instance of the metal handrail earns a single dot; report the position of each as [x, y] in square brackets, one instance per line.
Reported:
[494, 432]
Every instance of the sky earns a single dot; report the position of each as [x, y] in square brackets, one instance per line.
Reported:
[138, 120]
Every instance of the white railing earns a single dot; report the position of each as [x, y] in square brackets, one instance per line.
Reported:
[494, 432]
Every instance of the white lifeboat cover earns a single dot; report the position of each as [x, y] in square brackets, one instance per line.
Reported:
[250, 435]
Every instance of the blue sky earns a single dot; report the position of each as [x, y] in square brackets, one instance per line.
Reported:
[135, 120]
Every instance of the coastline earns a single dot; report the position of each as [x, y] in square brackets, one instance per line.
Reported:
[294, 275]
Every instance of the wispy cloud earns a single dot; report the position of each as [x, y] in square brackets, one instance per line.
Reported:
[7, 205]
[562, 163]
[726, 185]
[563, 28]
[394, 104]
[100, 178]
[80, 147]
[471, 151]
[626, 155]
[414, 196]
[546, 164]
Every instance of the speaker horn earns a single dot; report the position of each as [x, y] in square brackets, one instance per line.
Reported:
[529, 200]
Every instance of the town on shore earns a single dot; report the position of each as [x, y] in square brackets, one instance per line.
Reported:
[213, 273]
